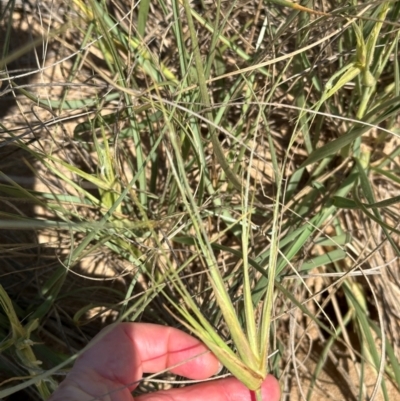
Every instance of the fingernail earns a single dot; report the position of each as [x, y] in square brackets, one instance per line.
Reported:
[219, 368]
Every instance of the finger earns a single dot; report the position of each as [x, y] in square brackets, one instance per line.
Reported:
[219, 390]
[123, 354]
[162, 347]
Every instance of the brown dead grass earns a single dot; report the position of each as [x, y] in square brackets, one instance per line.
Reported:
[339, 378]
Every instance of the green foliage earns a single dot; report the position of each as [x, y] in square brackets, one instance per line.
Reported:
[223, 162]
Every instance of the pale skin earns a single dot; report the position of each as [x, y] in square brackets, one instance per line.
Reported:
[111, 368]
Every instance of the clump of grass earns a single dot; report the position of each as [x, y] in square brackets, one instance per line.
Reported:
[230, 162]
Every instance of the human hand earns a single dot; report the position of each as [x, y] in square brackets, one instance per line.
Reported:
[112, 367]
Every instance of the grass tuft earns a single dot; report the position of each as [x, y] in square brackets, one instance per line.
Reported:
[231, 169]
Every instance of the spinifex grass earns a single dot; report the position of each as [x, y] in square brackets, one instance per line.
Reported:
[224, 162]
